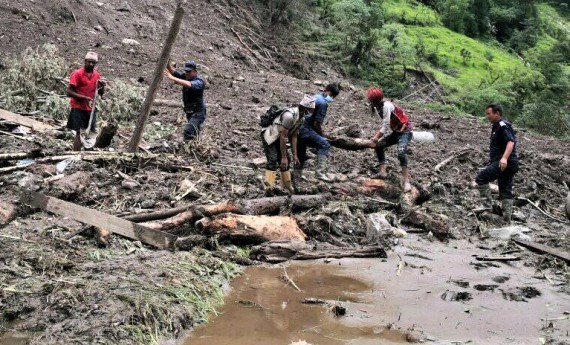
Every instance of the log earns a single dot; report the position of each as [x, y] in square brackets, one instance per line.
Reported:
[380, 187]
[254, 207]
[351, 144]
[450, 158]
[498, 258]
[568, 206]
[24, 121]
[541, 248]
[279, 251]
[158, 239]
[157, 75]
[106, 136]
[18, 155]
[247, 229]
[436, 224]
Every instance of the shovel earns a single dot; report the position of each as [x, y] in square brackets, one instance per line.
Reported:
[87, 136]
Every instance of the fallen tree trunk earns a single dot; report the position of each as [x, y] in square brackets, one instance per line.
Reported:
[436, 224]
[279, 251]
[377, 186]
[253, 207]
[248, 229]
[106, 136]
[350, 144]
[18, 155]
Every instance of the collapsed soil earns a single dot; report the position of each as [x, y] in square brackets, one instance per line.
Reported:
[72, 291]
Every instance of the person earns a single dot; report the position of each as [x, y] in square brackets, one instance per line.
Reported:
[392, 116]
[311, 134]
[284, 128]
[192, 96]
[83, 83]
[503, 161]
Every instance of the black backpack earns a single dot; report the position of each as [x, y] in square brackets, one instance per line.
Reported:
[270, 115]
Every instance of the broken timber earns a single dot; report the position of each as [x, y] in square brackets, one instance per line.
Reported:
[544, 249]
[99, 219]
[24, 121]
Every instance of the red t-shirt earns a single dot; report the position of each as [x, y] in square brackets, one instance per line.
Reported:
[85, 84]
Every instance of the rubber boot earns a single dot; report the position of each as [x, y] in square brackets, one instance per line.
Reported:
[382, 174]
[286, 180]
[269, 178]
[507, 210]
[321, 171]
[486, 199]
[406, 179]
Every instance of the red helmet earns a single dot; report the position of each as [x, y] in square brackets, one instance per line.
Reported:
[375, 94]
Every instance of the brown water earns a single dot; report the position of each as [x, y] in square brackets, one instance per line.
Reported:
[383, 302]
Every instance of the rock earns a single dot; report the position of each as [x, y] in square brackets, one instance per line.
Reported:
[44, 170]
[318, 82]
[415, 337]
[508, 232]
[148, 203]
[98, 27]
[30, 181]
[130, 42]
[70, 185]
[129, 184]
[240, 78]
[259, 162]
[377, 226]
[7, 212]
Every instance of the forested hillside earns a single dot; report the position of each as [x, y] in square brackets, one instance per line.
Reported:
[479, 51]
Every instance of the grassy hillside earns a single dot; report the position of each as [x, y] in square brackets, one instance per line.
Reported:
[473, 72]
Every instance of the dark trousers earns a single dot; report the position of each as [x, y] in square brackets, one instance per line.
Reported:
[309, 138]
[402, 139]
[195, 121]
[79, 119]
[505, 178]
[273, 155]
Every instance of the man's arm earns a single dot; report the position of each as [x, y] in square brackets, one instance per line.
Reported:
[384, 126]
[72, 92]
[506, 155]
[294, 139]
[181, 82]
[283, 135]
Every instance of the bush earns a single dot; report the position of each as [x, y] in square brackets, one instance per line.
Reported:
[547, 117]
[37, 81]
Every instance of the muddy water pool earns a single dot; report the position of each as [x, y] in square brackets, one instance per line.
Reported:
[429, 290]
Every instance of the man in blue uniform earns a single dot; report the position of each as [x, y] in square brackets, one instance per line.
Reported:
[503, 161]
[311, 134]
[192, 95]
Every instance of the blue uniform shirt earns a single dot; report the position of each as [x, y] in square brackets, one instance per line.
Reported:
[193, 97]
[318, 114]
[501, 133]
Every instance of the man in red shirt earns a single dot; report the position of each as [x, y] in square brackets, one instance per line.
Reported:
[83, 84]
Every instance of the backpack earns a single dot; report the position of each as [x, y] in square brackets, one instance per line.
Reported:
[399, 118]
[270, 115]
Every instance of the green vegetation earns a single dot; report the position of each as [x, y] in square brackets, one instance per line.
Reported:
[37, 82]
[480, 51]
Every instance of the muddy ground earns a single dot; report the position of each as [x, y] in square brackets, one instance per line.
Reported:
[71, 291]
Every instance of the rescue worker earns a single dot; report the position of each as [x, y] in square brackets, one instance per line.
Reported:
[503, 162]
[83, 83]
[192, 96]
[285, 128]
[393, 117]
[311, 134]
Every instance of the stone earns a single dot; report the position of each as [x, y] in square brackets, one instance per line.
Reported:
[7, 212]
[130, 42]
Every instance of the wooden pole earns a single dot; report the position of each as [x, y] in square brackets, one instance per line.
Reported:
[162, 62]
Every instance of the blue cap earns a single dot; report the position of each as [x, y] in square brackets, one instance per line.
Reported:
[189, 66]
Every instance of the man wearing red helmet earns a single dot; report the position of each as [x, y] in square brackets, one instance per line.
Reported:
[392, 116]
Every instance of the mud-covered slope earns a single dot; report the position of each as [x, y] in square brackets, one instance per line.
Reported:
[45, 273]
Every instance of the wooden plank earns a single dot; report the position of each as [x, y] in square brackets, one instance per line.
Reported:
[158, 239]
[24, 121]
[498, 258]
[544, 249]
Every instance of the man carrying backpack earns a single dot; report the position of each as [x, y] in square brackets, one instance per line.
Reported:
[280, 126]
[311, 134]
[503, 161]
[394, 117]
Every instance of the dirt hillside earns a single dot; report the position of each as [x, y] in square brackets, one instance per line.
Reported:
[64, 289]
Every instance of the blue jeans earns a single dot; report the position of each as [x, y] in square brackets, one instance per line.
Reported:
[402, 139]
[195, 121]
[309, 138]
[505, 178]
